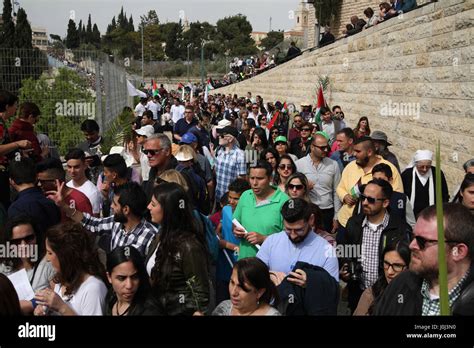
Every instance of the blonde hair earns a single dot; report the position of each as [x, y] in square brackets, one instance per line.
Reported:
[172, 175]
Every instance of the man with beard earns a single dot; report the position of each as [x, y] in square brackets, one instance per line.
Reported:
[368, 233]
[416, 292]
[230, 161]
[357, 173]
[126, 227]
[381, 146]
[297, 243]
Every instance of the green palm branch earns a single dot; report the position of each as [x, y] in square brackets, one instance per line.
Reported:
[119, 131]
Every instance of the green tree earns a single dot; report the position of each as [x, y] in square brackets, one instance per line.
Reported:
[174, 41]
[82, 39]
[195, 35]
[72, 38]
[96, 36]
[233, 34]
[131, 27]
[89, 30]
[23, 30]
[273, 38]
[327, 10]
[7, 34]
[149, 19]
[49, 95]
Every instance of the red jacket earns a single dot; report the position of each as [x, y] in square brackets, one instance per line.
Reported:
[22, 130]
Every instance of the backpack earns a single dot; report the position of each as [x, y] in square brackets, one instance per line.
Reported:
[197, 188]
[211, 237]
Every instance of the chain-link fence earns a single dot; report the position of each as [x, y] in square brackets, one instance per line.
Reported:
[69, 86]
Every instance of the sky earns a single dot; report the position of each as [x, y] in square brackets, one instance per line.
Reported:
[54, 14]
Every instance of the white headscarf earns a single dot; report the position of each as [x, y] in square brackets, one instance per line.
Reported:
[422, 155]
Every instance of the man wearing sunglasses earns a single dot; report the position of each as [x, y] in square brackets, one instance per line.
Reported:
[369, 232]
[325, 174]
[416, 292]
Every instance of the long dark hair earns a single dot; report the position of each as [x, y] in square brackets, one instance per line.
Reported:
[467, 182]
[178, 224]
[277, 179]
[75, 248]
[401, 247]
[7, 235]
[260, 132]
[367, 129]
[255, 272]
[9, 302]
[124, 254]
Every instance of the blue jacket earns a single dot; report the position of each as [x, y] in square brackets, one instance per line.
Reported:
[33, 203]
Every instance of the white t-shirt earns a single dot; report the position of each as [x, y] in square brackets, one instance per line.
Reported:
[140, 109]
[145, 166]
[88, 299]
[177, 113]
[91, 191]
[153, 107]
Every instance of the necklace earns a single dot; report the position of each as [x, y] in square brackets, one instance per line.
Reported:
[117, 310]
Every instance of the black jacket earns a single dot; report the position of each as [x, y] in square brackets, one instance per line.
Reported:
[320, 297]
[403, 296]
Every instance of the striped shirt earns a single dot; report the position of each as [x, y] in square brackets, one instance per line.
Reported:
[140, 237]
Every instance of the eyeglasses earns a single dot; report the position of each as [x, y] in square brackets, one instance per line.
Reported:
[297, 187]
[324, 148]
[27, 239]
[421, 241]
[285, 166]
[299, 231]
[151, 152]
[397, 267]
[371, 200]
[306, 129]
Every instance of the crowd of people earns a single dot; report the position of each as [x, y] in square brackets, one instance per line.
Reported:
[226, 205]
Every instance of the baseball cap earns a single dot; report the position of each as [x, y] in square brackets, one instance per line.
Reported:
[281, 139]
[188, 138]
[146, 131]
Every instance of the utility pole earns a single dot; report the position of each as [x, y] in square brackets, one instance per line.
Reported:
[270, 24]
[143, 60]
[187, 63]
[202, 62]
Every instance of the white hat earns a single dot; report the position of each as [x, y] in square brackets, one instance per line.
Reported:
[121, 151]
[183, 157]
[421, 155]
[146, 131]
[223, 123]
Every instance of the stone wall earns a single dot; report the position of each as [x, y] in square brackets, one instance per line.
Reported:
[426, 58]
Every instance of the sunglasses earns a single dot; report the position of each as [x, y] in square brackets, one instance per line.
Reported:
[306, 129]
[27, 239]
[322, 148]
[275, 132]
[285, 166]
[421, 241]
[297, 187]
[151, 152]
[371, 200]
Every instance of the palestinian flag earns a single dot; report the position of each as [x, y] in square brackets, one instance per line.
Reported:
[209, 87]
[154, 88]
[284, 109]
[180, 86]
[273, 120]
[321, 102]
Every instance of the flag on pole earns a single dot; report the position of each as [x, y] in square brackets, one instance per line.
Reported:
[132, 91]
[209, 87]
[154, 88]
[284, 109]
[320, 103]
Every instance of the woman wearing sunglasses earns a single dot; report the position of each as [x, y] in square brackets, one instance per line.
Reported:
[284, 169]
[21, 233]
[396, 258]
[301, 145]
[297, 186]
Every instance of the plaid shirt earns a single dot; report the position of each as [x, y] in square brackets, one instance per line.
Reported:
[370, 251]
[140, 237]
[431, 306]
[229, 165]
